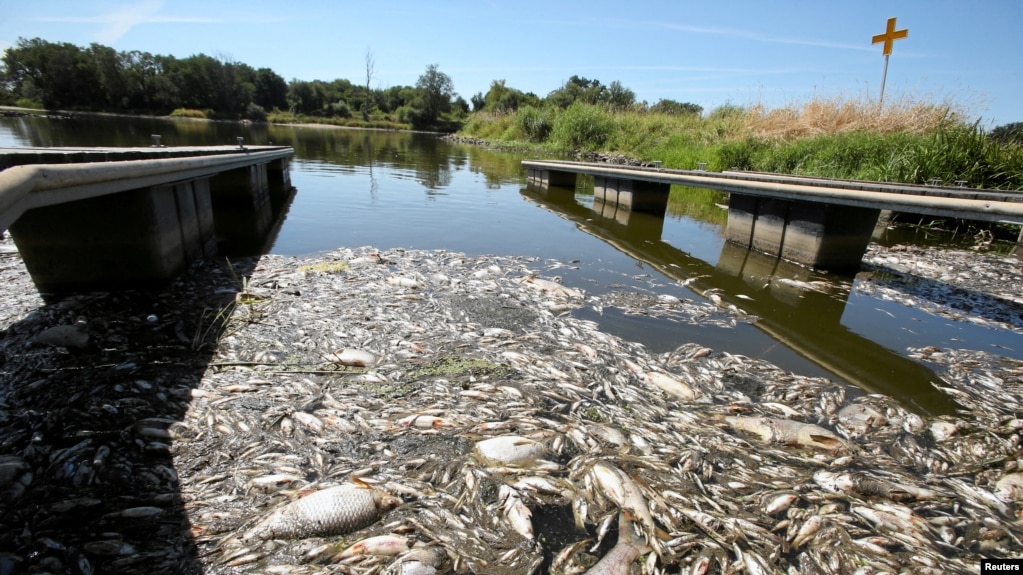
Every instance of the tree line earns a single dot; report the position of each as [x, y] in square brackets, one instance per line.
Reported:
[54, 75]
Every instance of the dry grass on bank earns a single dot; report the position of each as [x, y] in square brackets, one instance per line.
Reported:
[837, 115]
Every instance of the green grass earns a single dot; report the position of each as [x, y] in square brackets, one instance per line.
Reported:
[188, 113]
[907, 141]
[378, 122]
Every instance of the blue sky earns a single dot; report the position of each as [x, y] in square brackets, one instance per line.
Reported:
[710, 53]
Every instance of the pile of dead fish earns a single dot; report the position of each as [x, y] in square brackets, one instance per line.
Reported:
[985, 292]
[418, 412]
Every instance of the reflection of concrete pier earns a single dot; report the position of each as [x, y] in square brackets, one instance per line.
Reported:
[821, 223]
[106, 217]
[804, 320]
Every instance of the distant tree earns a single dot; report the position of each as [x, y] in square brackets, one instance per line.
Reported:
[370, 65]
[676, 108]
[435, 92]
[271, 90]
[619, 97]
[501, 98]
[578, 89]
[112, 76]
[478, 101]
[395, 97]
[58, 75]
[460, 106]
[1008, 133]
[304, 97]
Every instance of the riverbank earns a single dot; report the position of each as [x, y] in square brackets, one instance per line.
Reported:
[188, 415]
[907, 142]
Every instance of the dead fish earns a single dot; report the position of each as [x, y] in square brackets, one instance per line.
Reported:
[860, 418]
[779, 502]
[508, 450]
[671, 385]
[331, 511]
[386, 545]
[621, 489]
[516, 512]
[787, 432]
[618, 561]
[354, 357]
[553, 288]
[858, 483]
[419, 561]
[1010, 487]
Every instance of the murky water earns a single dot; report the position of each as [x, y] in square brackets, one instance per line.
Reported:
[393, 190]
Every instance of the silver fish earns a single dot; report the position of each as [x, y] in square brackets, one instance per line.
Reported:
[508, 450]
[330, 511]
[787, 432]
[618, 561]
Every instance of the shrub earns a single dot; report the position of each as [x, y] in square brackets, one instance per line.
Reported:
[535, 123]
[742, 154]
[28, 103]
[583, 126]
[341, 108]
[255, 112]
[188, 113]
[413, 116]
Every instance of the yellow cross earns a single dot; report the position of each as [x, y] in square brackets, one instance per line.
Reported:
[890, 36]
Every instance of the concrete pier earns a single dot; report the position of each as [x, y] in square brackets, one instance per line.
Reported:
[818, 222]
[117, 224]
[814, 234]
[544, 178]
[635, 195]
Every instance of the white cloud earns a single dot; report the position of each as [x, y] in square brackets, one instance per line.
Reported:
[115, 24]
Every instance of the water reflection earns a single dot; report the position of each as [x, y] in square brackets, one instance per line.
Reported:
[401, 190]
[779, 293]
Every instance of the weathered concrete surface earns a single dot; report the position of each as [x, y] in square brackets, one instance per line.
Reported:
[963, 203]
[819, 222]
[105, 225]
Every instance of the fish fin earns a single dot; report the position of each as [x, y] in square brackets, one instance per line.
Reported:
[359, 482]
[826, 440]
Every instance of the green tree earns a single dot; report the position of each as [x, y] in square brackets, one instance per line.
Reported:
[1008, 133]
[112, 76]
[435, 92]
[478, 101]
[271, 91]
[619, 97]
[671, 107]
[58, 75]
[578, 89]
[304, 97]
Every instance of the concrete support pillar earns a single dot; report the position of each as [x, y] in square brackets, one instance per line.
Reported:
[547, 178]
[135, 238]
[279, 175]
[814, 234]
[828, 236]
[633, 195]
[242, 210]
[244, 188]
[769, 226]
[605, 190]
[742, 212]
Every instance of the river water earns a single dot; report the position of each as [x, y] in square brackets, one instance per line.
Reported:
[402, 190]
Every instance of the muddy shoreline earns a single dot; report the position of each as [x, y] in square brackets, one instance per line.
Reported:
[183, 417]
